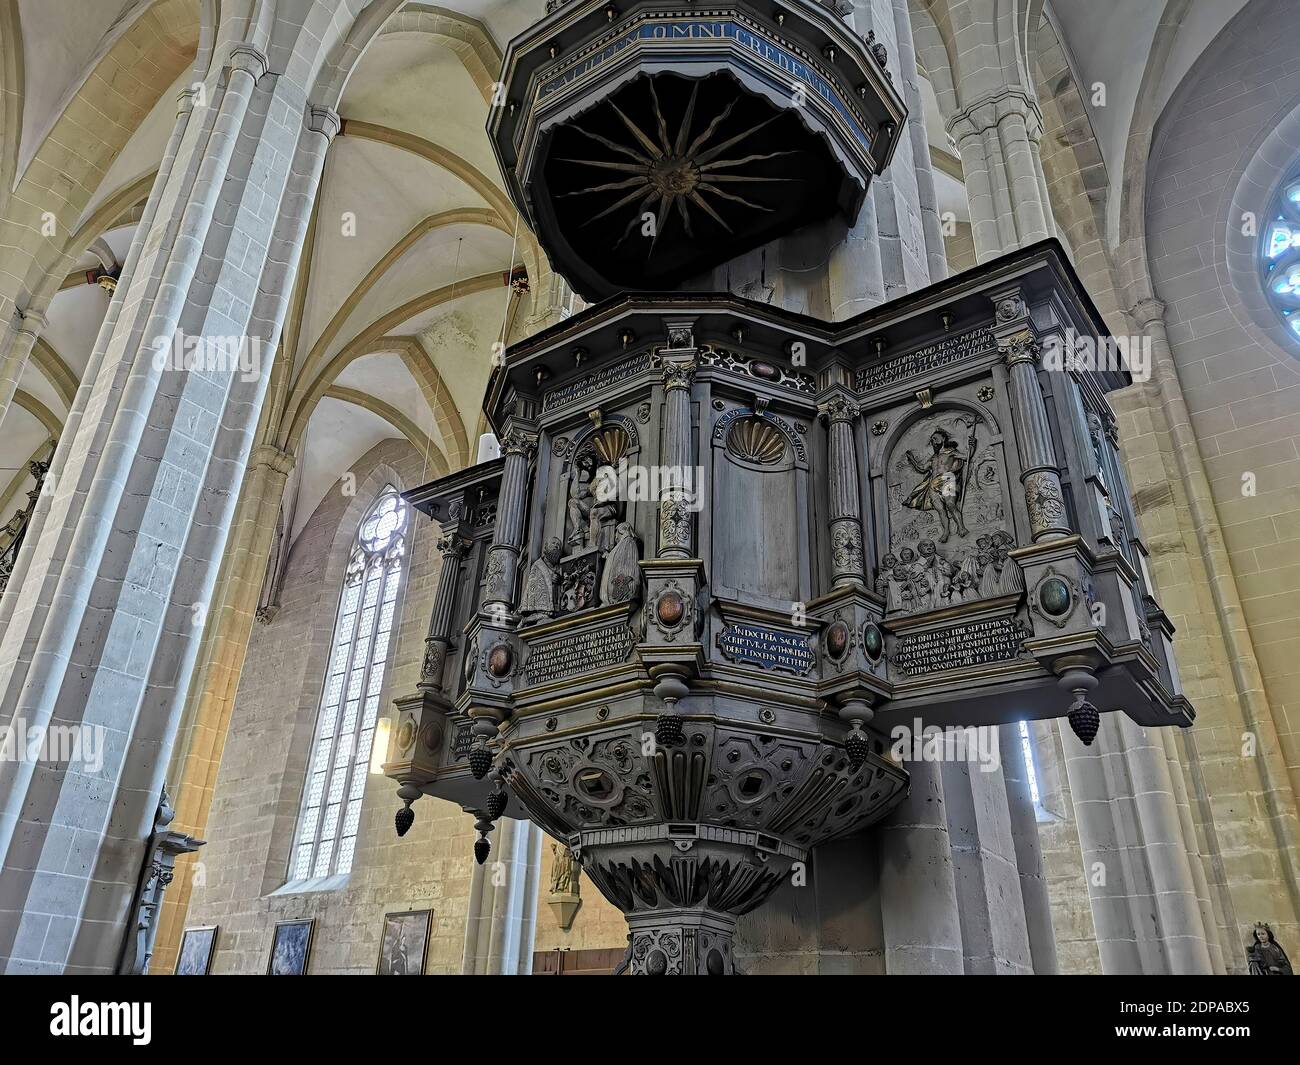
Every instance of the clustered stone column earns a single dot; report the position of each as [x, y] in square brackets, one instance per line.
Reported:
[1143, 895]
[845, 500]
[124, 565]
[1039, 473]
[999, 139]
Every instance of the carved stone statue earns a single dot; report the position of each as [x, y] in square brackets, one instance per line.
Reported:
[1264, 954]
[924, 578]
[564, 871]
[565, 898]
[944, 488]
[543, 575]
[621, 581]
[592, 507]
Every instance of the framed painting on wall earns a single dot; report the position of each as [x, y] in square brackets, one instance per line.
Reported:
[290, 948]
[404, 945]
[197, 947]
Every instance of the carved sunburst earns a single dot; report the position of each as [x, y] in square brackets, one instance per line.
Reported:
[670, 174]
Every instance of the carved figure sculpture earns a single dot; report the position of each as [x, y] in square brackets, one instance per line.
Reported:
[564, 871]
[539, 587]
[621, 581]
[592, 506]
[1264, 954]
[943, 489]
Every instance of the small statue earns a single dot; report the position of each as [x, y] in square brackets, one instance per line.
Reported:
[1265, 955]
[539, 587]
[621, 581]
[564, 871]
[943, 489]
[592, 506]
[883, 574]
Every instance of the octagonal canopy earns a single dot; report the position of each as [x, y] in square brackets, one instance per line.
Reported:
[648, 145]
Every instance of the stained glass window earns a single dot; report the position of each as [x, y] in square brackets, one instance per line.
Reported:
[1280, 254]
[349, 706]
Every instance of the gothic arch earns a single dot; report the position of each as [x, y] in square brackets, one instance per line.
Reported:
[462, 35]
[313, 379]
[431, 223]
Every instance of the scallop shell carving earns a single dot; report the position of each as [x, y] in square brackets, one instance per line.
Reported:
[610, 444]
[756, 440]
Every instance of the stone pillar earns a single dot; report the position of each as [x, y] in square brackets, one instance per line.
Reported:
[1165, 850]
[102, 637]
[502, 571]
[1029, 855]
[845, 503]
[210, 700]
[1140, 883]
[990, 907]
[999, 138]
[676, 520]
[918, 888]
[501, 919]
[1039, 474]
[184, 109]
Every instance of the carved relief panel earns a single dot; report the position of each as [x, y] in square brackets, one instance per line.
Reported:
[948, 521]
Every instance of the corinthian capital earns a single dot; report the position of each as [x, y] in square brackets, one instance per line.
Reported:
[1020, 347]
[519, 441]
[839, 408]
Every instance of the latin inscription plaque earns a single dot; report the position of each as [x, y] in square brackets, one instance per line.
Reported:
[580, 652]
[461, 744]
[595, 382]
[924, 360]
[767, 648]
[959, 647]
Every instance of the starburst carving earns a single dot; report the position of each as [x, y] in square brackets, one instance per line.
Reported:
[669, 174]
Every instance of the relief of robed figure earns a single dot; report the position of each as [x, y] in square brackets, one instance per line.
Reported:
[943, 486]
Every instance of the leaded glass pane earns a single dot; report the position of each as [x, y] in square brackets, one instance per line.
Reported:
[359, 651]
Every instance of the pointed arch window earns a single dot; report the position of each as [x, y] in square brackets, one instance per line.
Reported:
[349, 707]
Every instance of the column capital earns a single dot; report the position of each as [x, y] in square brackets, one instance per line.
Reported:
[453, 543]
[519, 440]
[1148, 311]
[248, 59]
[324, 120]
[678, 370]
[839, 408]
[989, 110]
[32, 322]
[273, 458]
[1021, 347]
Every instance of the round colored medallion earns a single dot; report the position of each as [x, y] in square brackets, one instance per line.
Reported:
[873, 640]
[1054, 596]
[837, 639]
[670, 608]
[500, 660]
